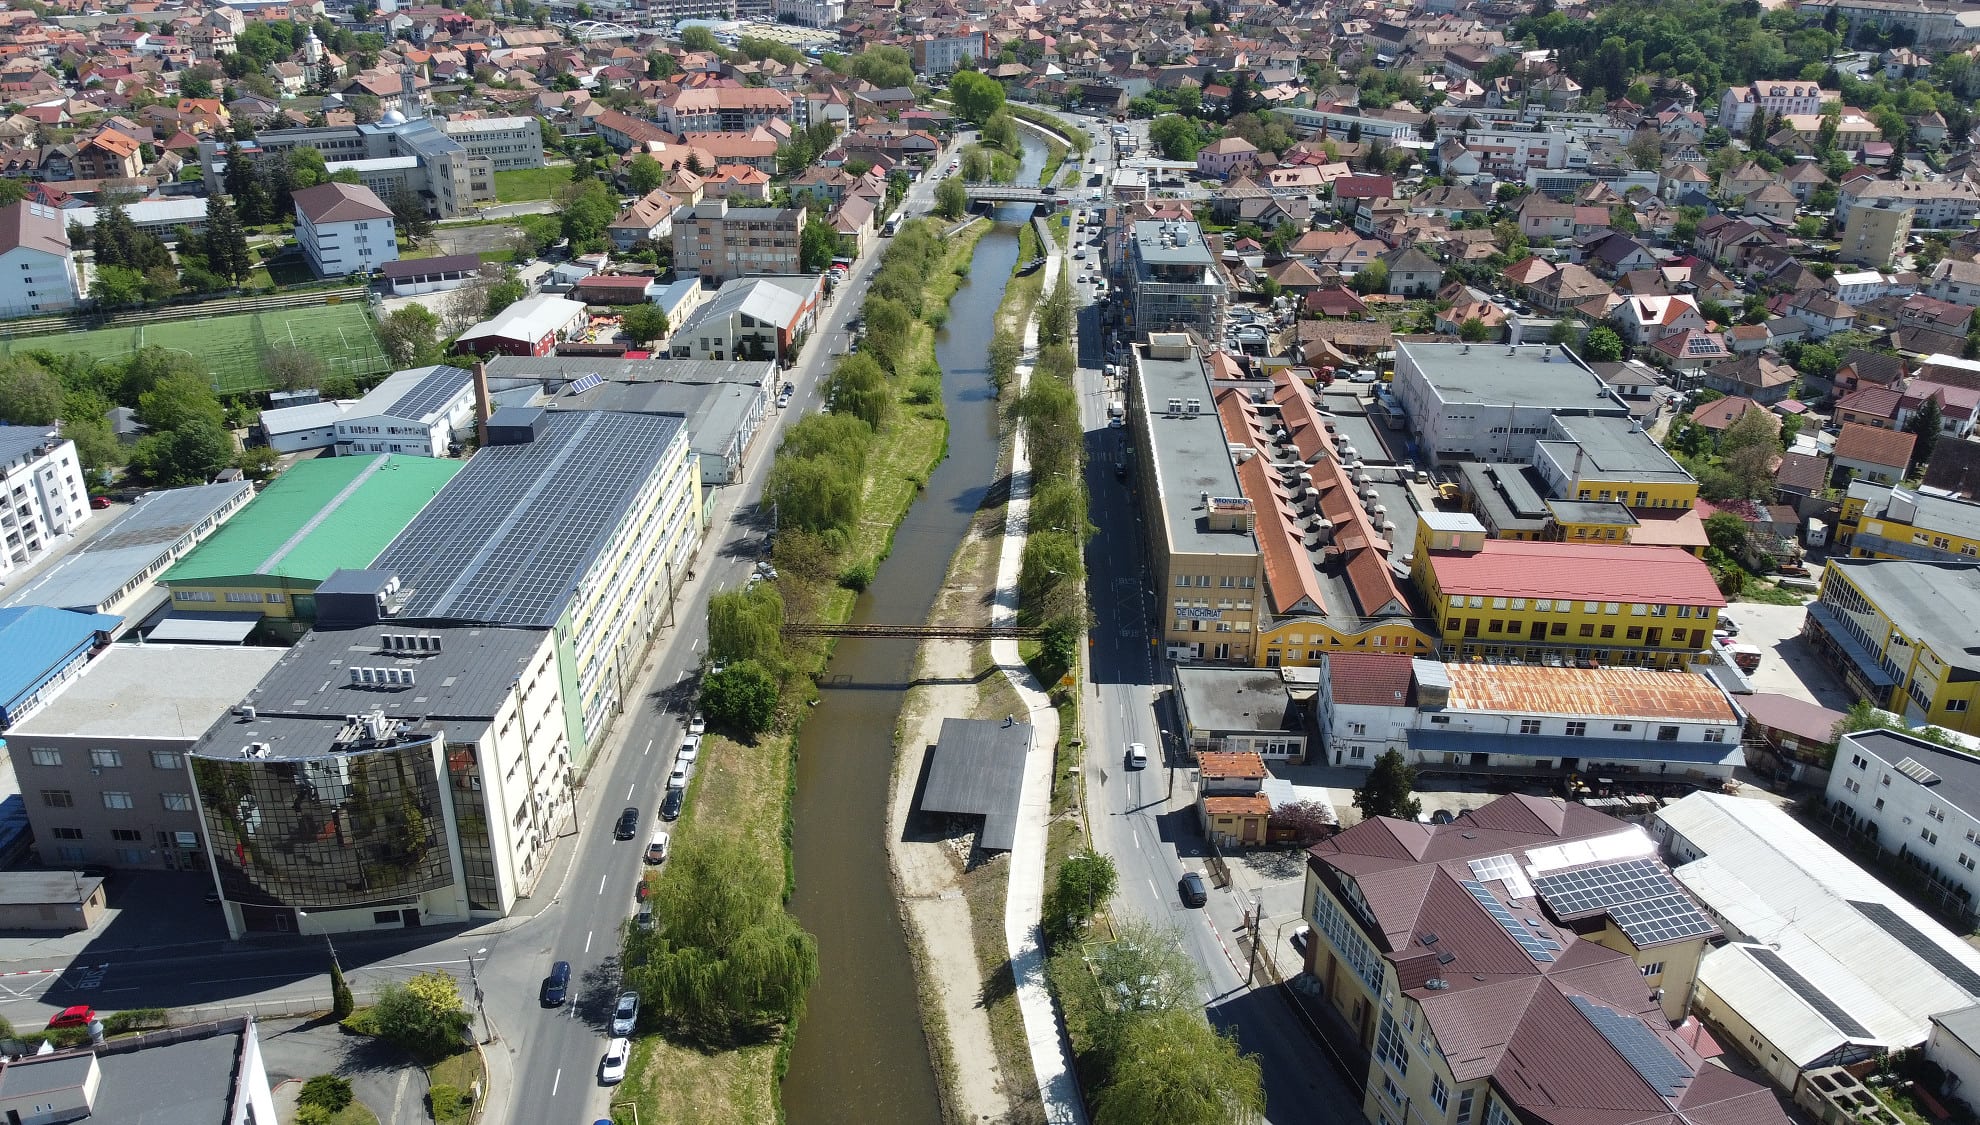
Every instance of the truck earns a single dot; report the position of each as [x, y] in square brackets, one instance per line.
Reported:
[1815, 534]
[1744, 657]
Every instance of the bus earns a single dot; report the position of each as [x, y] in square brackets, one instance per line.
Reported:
[889, 228]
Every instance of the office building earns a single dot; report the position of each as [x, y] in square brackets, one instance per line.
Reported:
[1492, 402]
[1888, 521]
[1544, 602]
[1900, 634]
[41, 481]
[580, 522]
[1208, 562]
[318, 517]
[419, 413]
[37, 270]
[1521, 963]
[344, 229]
[1172, 280]
[102, 767]
[505, 143]
[717, 242]
[116, 571]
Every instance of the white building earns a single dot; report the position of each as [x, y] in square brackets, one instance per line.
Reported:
[809, 13]
[1493, 402]
[46, 497]
[293, 429]
[1738, 104]
[1933, 203]
[1913, 797]
[750, 318]
[1825, 965]
[1860, 287]
[417, 412]
[37, 273]
[344, 228]
[506, 143]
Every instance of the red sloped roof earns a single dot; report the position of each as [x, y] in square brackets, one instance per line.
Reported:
[1369, 679]
[1510, 568]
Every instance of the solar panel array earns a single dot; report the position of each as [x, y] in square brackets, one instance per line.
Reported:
[1638, 893]
[431, 393]
[1539, 948]
[1653, 1059]
[1803, 987]
[1914, 939]
[511, 536]
[1506, 870]
[585, 383]
[1917, 771]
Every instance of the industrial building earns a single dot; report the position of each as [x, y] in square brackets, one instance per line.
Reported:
[1492, 402]
[420, 413]
[1900, 634]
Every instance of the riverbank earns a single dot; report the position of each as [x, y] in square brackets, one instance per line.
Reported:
[741, 796]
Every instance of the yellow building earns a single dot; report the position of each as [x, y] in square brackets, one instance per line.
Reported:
[1446, 948]
[1301, 642]
[1601, 458]
[1901, 636]
[1560, 602]
[1882, 521]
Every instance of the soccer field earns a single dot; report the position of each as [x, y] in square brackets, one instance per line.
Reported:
[232, 347]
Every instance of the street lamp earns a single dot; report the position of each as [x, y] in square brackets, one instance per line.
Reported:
[326, 941]
[487, 1032]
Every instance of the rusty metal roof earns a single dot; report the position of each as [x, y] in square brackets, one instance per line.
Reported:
[1600, 692]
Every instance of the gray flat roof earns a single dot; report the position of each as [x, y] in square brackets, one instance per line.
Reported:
[29, 888]
[120, 552]
[509, 539]
[30, 1076]
[153, 691]
[467, 678]
[1958, 771]
[1351, 420]
[1934, 602]
[1237, 699]
[1613, 447]
[1190, 454]
[570, 368]
[714, 411]
[1171, 243]
[1939, 513]
[978, 769]
[1506, 494]
[190, 1082]
[1592, 511]
[1486, 374]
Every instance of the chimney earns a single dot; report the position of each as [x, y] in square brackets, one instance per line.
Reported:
[481, 410]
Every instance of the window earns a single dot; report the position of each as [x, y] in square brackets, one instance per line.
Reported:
[68, 833]
[178, 802]
[1857, 761]
[1464, 1107]
[167, 760]
[1667, 734]
[1966, 861]
[44, 756]
[1955, 706]
[1927, 835]
[1440, 1093]
[1391, 1048]
[106, 759]
[58, 799]
[1577, 729]
[116, 800]
[1529, 726]
[1390, 1091]
[1624, 728]
[1716, 735]
[1608, 631]
[71, 853]
[1653, 968]
[127, 835]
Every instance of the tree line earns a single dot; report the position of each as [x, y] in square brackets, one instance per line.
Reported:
[1052, 572]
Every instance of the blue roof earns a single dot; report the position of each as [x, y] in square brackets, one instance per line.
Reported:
[37, 642]
[1586, 749]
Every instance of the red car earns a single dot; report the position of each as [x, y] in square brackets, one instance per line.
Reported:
[99, 502]
[81, 1015]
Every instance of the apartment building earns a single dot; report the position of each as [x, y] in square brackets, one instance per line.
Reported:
[1779, 96]
[722, 109]
[943, 53]
[1877, 232]
[1933, 204]
[37, 271]
[1900, 635]
[1906, 793]
[1563, 602]
[1494, 402]
[717, 242]
[45, 498]
[1208, 560]
[1887, 521]
[1523, 962]
[344, 229]
[1173, 283]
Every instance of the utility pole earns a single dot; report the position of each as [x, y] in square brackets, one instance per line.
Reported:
[1257, 920]
[487, 1032]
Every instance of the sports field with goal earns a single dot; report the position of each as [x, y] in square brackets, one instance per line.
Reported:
[232, 347]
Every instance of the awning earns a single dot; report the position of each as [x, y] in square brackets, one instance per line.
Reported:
[205, 628]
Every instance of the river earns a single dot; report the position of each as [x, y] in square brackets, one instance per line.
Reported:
[860, 1053]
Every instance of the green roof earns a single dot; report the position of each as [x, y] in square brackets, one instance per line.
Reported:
[321, 515]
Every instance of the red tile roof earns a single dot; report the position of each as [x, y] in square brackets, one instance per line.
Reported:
[1369, 679]
[1873, 446]
[1510, 568]
[1216, 764]
[1238, 806]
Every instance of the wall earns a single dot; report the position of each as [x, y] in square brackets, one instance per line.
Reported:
[90, 770]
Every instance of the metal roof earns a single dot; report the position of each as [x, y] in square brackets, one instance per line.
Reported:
[93, 575]
[1620, 693]
[978, 769]
[418, 394]
[36, 642]
[17, 442]
[510, 538]
[320, 515]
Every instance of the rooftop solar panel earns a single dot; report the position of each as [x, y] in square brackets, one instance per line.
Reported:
[1657, 920]
[1914, 939]
[431, 393]
[1540, 949]
[585, 383]
[1506, 870]
[1803, 987]
[1593, 888]
[1653, 1059]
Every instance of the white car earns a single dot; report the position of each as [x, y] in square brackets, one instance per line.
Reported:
[612, 1069]
[1137, 756]
[678, 779]
[625, 1014]
[697, 726]
[689, 751]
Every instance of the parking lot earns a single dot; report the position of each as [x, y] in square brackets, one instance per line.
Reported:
[1788, 664]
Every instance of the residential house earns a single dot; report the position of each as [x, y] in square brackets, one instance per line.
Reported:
[1876, 455]
[1760, 377]
[1646, 320]
[1954, 281]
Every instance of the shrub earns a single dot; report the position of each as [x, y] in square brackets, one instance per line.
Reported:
[857, 577]
[328, 1092]
[449, 1104]
[134, 1019]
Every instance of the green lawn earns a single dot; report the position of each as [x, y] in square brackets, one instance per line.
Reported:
[232, 346]
[525, 184]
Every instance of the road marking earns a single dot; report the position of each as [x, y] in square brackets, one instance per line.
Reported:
[1137, 839]
[649, 742]
[557, 1081]
[601, 884]
[587, 940]
[1154, 888]
[631, 788]
[682, 676]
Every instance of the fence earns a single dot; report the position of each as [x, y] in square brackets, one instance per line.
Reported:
[202, 310]
[281, 1007]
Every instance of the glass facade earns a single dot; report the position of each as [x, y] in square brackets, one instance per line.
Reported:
[341, 830]
[484, 891]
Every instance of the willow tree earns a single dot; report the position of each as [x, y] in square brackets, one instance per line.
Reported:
[1173, 1067]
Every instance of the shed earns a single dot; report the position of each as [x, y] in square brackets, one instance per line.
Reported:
[977, 769]
[50, 902]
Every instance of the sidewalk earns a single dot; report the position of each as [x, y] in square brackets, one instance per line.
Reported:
[1051, 1058]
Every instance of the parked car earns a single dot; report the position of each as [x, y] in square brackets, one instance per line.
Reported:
[677, 780]
[557, 986]
[697, 726]
[670, 808]
[690, 749]
[612, 1068]
[626, 1014]
[656, 848]
[99, 502]
[79, 1015]
[1190, 888]
[1137, 756]
[627, 826]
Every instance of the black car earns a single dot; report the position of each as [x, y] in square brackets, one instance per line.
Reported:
[627, 826]
[1191, 890]
[670, 809]
[557, 986]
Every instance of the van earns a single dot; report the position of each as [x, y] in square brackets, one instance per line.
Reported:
[557, 986]
[656, 848]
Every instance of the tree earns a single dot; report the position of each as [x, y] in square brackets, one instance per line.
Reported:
[747, 624]
[698, 39]
[1177, 137]
[410, 336]
[643, 174]
[225, 243]
[1602, 345]
[727, 964]
[190, 454]
[976, 96]
[505, 290]
[1747, 449]
[818, 244]
[306, 167]
[1172, 1066]
[1728, 534]
[1388, 788]
[178, 397]
[1309, 821]
[292, 368]
[1086, 880]
[1371, 278]
[30, 395]
[587, 208]
[1865, 715]
[1473, 331]
[1925, 422]
[116, 285]
[644, 323]
[342, 1003]
[424, 1015]
[951, 198]
[741, 697]
[1646, 150]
